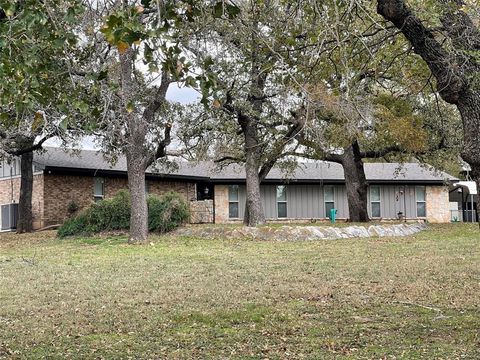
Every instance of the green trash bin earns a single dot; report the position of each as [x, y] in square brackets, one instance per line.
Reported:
[333, 215]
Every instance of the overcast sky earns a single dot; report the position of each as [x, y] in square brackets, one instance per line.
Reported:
[182, 95]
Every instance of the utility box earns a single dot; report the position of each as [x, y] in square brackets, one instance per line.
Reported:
[8, 217]
[333, 215]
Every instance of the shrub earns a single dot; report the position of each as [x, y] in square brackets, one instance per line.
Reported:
[72, 207]
[74, 226]
[165, 213]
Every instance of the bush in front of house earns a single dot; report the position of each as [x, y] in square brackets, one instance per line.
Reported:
[105, 215]
[165, 213]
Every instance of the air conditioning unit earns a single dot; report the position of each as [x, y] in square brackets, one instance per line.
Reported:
[8, 217]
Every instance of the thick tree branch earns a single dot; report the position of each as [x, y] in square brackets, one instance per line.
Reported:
[162, 146]
[450, 82]
[297, 125]
[158, 99]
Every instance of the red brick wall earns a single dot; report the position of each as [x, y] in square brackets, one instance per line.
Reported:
[114, 185]
[161, 187]
[60, 190]
[6, 192]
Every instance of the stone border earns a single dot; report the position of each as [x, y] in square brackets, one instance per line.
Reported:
[301, 233]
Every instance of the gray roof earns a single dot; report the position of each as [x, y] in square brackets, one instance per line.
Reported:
[56, 158]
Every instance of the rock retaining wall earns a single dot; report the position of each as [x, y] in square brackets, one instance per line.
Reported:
[302, 233]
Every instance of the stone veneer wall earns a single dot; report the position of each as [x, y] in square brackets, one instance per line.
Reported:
[6, 185]
[201, 212]
[438, 207]
[60, 190]
[221, 204]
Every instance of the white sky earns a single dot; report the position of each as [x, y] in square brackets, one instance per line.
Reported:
[182, 95]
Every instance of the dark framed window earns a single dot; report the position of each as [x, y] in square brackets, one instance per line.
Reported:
[98, 188]
[281, 201]
[233, 212]
[375, 201]
[329, 199]
[420, 198]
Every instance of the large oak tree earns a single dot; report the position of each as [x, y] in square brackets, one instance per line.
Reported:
[449, 43]
[40, 94]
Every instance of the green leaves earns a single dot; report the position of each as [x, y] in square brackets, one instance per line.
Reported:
[222, 8]
[38, 89]
[123, 29]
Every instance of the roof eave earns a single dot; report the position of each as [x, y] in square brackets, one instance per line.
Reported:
[107, 172]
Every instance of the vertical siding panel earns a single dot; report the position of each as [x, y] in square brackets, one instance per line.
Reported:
[339, 203]
[411, 203]
[270, 201]
[345, 202]
[291, 201]
[299, 200]
[242, 200]
[264, 196]
[394, 205]
[296, 201]
[384, 202]
[311, 201]
[396, 200]
[273, 201]
[390, 202]
[314, 197]
[387, 201]
[322, 201]
[304, 205]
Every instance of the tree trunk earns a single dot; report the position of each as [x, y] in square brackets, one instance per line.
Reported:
[355, 183]
[135, 153]
[469, 107]
[254, 214]
[454, 79]
[25, 216]
[138, 198]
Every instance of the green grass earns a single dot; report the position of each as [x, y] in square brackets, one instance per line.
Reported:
[183, 298]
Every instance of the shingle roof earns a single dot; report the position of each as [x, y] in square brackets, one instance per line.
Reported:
[312, 171]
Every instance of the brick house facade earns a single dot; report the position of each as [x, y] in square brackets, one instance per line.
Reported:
[53, 194]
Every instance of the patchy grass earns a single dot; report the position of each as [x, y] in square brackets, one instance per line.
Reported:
[413, 298]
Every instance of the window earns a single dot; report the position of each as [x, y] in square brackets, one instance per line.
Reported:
[282, 201]
[421, 201]
[375, 201]
[98, 188]
[233, 201]
[329, 198]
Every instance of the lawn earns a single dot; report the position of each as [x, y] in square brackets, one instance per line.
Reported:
[416, 297]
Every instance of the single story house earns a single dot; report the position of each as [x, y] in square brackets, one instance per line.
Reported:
[66, 181]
